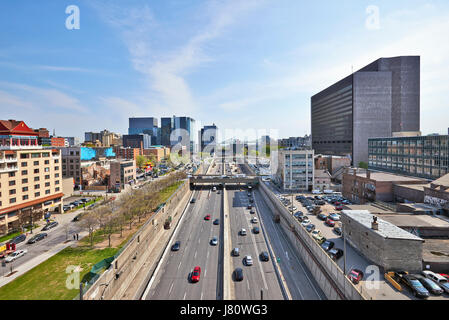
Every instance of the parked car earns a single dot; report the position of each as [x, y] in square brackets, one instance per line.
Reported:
[327, 245]
[310, 227]
[440, 280]
[338, 231]
[216, 222]
[415, 286]
[214, 241]
[305, 222]
[322, 216]
[236, 252]
[339, 208]
[36, 238]
[335, 253]
[238, 274]
[330, 222]
[264, 256]
[248, 261]
[176, 246]
[355, 275]
[334, 216]
[430, 285]
[196, 274]
[18, 239]
[50, 225]
[15, 255]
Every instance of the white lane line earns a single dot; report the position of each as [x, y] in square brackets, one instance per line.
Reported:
[184, 296]
[195, 255]
[205, 272]
[199, 240]
[179, 265]
[201, 296]
[207, 254]
[286, 253]
[171, 288]
[247, 284]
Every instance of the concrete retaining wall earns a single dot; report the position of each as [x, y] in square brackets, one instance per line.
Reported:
[326, 272]
[113, 282]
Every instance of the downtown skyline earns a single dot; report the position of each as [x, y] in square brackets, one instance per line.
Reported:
[214, 61]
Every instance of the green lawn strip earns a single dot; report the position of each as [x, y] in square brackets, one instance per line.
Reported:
[9, 236]
[47, 281]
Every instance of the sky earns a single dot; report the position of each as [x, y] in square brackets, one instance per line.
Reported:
[246, 65]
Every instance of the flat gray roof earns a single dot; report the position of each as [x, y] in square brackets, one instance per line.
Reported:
[386, 229]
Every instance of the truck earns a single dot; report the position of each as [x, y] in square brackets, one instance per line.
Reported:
[7, 249]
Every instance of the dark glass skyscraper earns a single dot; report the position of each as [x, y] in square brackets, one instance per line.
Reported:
[166, 129]
[146, 125]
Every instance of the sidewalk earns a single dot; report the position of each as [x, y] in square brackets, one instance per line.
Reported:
[27, 266]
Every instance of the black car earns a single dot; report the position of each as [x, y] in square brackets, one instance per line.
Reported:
[429, 285]
[37, 237]
[77, 218]
[322, 216]
[338, 231]
[310, 227]
[250, 206]
[335, 253]
[256, 230]
[238, 274]
[193, 200]
[264, 256]
[49, 226]
[176, 246]
[20, 238]
[415, 286]
[327, 245]
[216, 222]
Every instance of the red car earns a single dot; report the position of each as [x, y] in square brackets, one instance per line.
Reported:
[196, 274]
[330, 222]
[338, 208]
[355, 275]
[445, 275]
[207, 217]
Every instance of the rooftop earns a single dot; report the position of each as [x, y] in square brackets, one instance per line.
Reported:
[419, 187]
[416, 221]
[384, 176]
[443, 181]
[386, 230]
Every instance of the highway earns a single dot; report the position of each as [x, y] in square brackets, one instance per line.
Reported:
[172, 279]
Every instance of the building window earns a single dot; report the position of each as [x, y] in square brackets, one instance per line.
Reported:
[37, 194]
[47, 162]
[47, 191]
[25, 197]
[57, 189]
[57, 182]
[24, 172]
[56, 175]
[37, 186]
[36, 170]
[12, 174]
[24, 156]
[47, 184]
[24, 164]
[12, 191]
[12, 200]
[12, 183]
[36, 163]
[56, 160]
[36, 178]
[24, 189]
[56, 168]
[25, 180]
[47, 169]
[47, 177]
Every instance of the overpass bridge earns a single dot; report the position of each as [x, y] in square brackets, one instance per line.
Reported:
[220, 180]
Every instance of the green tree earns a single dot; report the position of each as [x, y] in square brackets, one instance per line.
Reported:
[363, 165]
[140, 161]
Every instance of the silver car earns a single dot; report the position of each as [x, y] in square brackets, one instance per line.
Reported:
[248, 261]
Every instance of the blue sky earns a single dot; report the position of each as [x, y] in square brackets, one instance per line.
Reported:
[241, 64]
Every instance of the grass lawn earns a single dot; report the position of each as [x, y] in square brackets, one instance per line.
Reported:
[47, 281]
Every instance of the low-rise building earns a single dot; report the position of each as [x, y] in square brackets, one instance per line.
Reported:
[295, 170]
[127, 153]
[123, 172]
[71, 164]
[322, 180]
[159, 152]
[361, 186]
[381, 242]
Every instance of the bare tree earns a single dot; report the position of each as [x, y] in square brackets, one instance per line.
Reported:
[89, 222]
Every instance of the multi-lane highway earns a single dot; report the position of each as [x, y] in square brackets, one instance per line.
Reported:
[171, 280]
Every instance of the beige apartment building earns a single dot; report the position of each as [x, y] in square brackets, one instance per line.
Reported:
[30, 185]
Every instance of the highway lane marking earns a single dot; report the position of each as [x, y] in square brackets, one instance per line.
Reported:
[171, 288]
[286, 253]
[201, 296]
[195, 255]
[184, 296]
[179, 265]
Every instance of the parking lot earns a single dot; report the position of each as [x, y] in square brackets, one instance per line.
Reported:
[384, 289]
